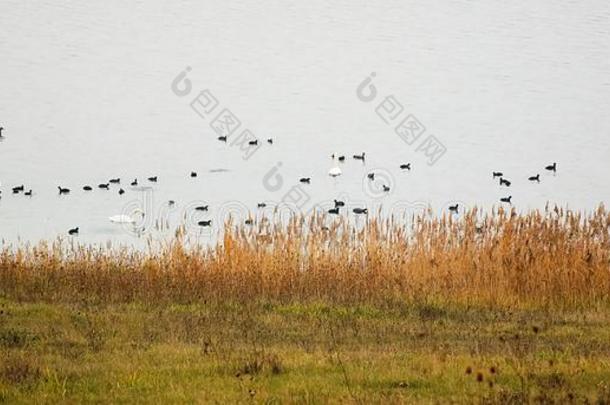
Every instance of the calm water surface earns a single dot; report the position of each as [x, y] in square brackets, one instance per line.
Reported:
[86, 95]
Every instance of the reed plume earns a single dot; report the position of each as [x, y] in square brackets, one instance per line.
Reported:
[554, 257]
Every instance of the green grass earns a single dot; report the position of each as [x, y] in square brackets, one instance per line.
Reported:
[300, 353]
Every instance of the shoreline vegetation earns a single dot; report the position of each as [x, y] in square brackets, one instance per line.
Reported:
[492, 307]
[556, 258]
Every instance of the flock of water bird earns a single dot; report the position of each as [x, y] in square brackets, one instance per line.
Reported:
[503, 181]
[334, 171]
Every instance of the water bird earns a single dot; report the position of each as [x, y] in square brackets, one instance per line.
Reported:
[18, 189]
[305, 180]
[506, 199]
[121, 191]
[270, 141]
[552, 168]
[334, 211]
[1, 129]
[201, 208]
[335, 171]
[28, 193]
[535, 178]
[339, 203]
[193, 174]
[127, 219]
[63, 190]
[249, 221]
[152, 179]
[386, 188]
[254, 142]
[87, 188]
[497, 174]
[134, 182]
[114, 181]
[454, 208]
[73, 231]
[205, 223]
[104, 186]
[222, 138]
[371, 176]
[261, 205]
[504, 182]
[359, 157]
[360, 211]
[171, 203]
[406, 166]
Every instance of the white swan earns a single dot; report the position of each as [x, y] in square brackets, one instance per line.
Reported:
[335, 171]
[127, 219]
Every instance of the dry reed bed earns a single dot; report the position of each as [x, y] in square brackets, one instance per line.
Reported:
[554, 257]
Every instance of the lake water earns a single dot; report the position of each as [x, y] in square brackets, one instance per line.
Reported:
[90, 91]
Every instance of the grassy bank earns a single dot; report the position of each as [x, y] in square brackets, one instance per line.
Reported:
[301, 354]
[492, 307]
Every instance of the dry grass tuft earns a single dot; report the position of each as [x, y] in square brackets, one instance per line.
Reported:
[260, 362]
[19, 369]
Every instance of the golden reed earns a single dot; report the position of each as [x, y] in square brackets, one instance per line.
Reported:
[554, 257]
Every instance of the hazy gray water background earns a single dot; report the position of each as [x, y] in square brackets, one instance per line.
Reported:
[85, 96]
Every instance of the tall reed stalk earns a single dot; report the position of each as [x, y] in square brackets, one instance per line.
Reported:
[554, 257]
